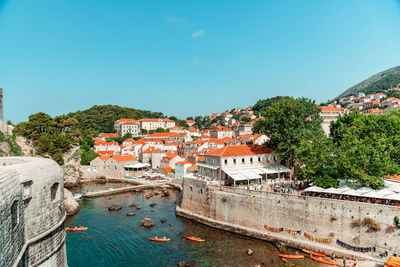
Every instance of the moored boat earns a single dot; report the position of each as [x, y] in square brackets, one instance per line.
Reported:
[323, 261]
[196, 239]
[391, 263]
[156, 239]
[291, 256]
[313, 253]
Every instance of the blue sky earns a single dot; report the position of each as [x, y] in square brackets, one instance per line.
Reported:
[188, 58]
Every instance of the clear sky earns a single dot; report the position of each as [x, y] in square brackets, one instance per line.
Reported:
[188, 58]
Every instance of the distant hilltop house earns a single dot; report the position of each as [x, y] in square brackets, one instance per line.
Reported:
[135, 127]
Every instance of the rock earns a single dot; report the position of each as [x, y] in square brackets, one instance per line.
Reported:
[71, 205]
[70, 181]
[133, 205]
[165, 192]
[138, 207]
[147, 223]
[163, 220]
[147, 194]
[284, 260]
[281, 247]
[249, 252]
[152, 204]
[183, 264]
[130, 214]
[115, 207]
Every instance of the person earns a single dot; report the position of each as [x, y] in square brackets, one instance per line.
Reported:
[355, 262]
[297, 253]
[333, 257]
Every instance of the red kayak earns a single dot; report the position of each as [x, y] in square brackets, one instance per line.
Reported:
[323, 261]
[291, 256]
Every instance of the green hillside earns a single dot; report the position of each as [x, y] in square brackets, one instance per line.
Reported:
[376, 83]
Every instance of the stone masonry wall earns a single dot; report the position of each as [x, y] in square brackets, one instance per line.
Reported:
[308, 214]
[38, 184]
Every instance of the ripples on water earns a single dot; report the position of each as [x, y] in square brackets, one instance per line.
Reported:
[114, 239]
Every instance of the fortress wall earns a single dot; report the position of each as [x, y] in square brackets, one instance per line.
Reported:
[38, 183]
[308, 214]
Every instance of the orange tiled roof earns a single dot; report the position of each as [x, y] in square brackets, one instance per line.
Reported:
[129, 140]
[105, 135]
[167, 169]
[155, 120]
[124, 158]
[326, 109]
[239, 150]
[105, 152]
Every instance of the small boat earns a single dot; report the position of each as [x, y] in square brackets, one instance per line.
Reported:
[313, 253]
[394, 259]
[196, 239]
[391, 263]
[323, 261]
[291, 256]
[76, 229]
[78, 196]
[156, 239]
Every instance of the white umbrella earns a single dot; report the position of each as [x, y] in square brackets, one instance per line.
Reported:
[314, 189]
[331, 191]
[392, 197]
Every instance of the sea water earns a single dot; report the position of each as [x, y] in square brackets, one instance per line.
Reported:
[114, 239]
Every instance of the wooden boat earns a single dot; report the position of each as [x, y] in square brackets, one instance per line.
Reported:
[76, 229]
[196, 239]
[156, 239]
[313, 253]
[291, 256]
[323, 261]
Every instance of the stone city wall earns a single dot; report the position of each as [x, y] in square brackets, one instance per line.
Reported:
[316, 216]
[38, 236]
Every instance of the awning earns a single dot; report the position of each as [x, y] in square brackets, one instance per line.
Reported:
[242, 175]
[137, 166]
[274, 169]
[315, 189]
[212, 167]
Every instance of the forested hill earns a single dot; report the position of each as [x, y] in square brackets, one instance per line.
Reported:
[376, 83]
[101, 118]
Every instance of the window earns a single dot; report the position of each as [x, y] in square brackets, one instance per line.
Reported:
[267, 158]
[226, 161]
[234, 161]
[259, 159]
[14, 214]
[191, 188]
[54, 191]
[242, 160]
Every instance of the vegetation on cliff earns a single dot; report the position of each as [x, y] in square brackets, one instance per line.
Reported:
[54, 136]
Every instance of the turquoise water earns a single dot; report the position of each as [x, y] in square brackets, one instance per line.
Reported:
[114, 239]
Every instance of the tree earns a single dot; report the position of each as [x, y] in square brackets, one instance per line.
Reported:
[190, 118]
[263, 104]
[246, 119]
[173, 118]
[290, 122]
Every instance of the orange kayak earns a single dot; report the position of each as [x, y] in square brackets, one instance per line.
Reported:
[313, 253]
[291, 256]
[394, 259]
[192, 238]
[323, 261]
[160, 239]
[76, 229]
[390, 263]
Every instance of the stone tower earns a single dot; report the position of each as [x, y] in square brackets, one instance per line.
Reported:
[1, 104]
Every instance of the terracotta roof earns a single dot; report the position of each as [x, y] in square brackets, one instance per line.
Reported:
[106, 152]
[326, 109]
[166, 134]
[155, 120]
[239, 150]
[167, 169]
[190, 121]
[104, 158]
[104, 135]
[124, 158]
[129, 140]
[184, 162]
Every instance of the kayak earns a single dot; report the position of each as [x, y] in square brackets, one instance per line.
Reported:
[313, 253]
[76, 229]
[394, 259]
[323, 261]
[390, 263]
[291, 256]
[160, 239]
[192, 238]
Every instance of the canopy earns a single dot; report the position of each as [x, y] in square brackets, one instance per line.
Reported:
[331, 191]
[274, 169]
[393, 197]
[241, 175]
[315, 189]
[138, 165]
